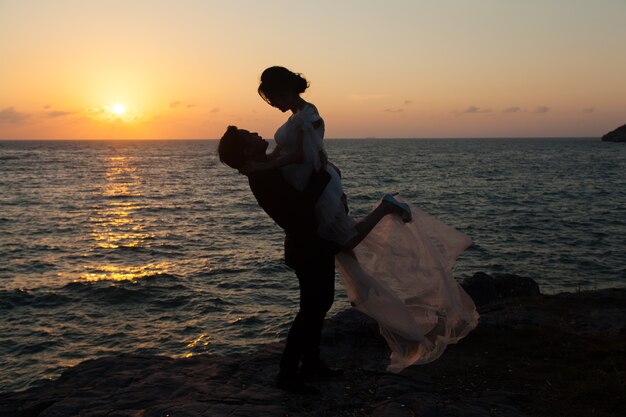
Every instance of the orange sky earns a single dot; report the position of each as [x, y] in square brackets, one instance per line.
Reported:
[403, 68]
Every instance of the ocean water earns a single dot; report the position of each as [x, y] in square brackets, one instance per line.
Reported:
[119, 246]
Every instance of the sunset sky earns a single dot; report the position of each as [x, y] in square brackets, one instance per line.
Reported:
[161, 69]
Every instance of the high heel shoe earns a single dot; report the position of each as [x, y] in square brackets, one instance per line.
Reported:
[406, 211]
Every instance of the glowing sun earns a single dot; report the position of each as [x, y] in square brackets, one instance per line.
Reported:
[118, 109]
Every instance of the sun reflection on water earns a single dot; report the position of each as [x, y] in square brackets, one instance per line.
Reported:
[201, 341]
[118, 223]
[126, 273]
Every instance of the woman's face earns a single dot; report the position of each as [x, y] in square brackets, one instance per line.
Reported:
[281, 101]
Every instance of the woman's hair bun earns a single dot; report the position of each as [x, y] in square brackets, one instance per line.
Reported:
[277, 80]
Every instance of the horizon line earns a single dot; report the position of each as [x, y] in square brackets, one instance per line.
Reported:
[340, 138]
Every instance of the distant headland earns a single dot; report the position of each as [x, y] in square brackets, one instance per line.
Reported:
[617, 135]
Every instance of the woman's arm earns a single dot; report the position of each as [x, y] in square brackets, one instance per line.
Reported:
[287, 158]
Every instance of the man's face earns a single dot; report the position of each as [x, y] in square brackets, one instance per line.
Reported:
[253, 144]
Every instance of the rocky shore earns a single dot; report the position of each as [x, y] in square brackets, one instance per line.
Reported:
[531, 355]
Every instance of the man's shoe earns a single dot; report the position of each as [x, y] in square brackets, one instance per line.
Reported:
[293, 383]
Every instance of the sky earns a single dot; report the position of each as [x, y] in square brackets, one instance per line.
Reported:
[186, 69]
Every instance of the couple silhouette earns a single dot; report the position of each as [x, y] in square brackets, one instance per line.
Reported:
[301, 190]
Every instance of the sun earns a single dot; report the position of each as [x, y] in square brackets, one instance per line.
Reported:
[118, 109]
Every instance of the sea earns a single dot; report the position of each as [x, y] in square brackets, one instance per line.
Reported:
[110, 247]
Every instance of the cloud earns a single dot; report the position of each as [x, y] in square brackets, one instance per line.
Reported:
[10, 115]
[475, 110]
[588, 110]
[179, 104]
[215, 110]
[95, 110]
[398, 109]
[514, 109]
[541, 109]
[58, 113]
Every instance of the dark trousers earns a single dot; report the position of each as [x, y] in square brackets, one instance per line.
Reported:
[316, 276]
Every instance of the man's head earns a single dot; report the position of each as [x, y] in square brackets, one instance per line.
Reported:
[239, 146]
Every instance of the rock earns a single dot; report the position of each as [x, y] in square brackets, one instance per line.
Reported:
[509, 285]
[486, 289]
[617, 135]
[481, 287]
[551, 355]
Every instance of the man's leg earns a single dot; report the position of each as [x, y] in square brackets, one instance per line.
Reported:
[317, 286]
[320, 297]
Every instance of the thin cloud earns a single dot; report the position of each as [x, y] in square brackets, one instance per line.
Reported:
[514, 109]
[475, 110]
[58, 113]
[179, 104]
[215, 110]
[398, 109]
[542, 109]
[10, 115]
[588, 110]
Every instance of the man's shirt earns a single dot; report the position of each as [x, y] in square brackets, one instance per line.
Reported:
[294, 212]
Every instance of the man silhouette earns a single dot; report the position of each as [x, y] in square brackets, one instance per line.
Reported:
[312, 258]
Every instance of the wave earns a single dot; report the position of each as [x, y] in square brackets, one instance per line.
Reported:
[221, 271]
[20, 298]
[11, 157]
[245, 320]
[165, 251]
[32, 348]
[149, 290]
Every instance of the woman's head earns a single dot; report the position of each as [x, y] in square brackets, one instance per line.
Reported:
[278, 84]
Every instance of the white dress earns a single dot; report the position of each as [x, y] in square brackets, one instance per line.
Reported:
[401, 275]
[334, 223]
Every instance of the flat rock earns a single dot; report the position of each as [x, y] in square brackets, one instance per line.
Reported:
[546, 355]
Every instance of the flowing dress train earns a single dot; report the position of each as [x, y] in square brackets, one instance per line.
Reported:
[401, 275]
